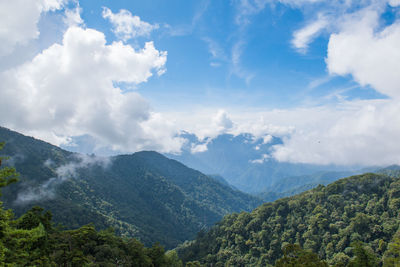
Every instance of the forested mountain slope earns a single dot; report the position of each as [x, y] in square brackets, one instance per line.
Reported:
[143, 195]
[34, 240]
[290, 186]
[326, 220]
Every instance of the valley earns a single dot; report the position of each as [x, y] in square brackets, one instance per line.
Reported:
[205, 220]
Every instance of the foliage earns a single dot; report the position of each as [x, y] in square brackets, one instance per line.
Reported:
[32, 240]
[8, 175]
[81, 247]
[327, 221]
[294, 255]
[363, 256]
[392, 254]
[293, 185]
[143, 195]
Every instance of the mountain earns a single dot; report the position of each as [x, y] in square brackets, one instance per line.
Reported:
[328, 220]
[247, 163]
[143, 195]
[289, 186]
[393, 171]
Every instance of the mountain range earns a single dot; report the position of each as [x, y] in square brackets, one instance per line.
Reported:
[247, 163]
[350, 222]
[143, 195]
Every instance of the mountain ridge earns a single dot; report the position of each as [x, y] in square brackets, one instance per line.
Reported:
[143, 195]
[326, 220]
[247, 162]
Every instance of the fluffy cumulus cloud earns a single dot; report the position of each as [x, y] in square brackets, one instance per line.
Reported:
[70, 89]
[73, 17]
[18, 21]
[369, 53]
[221, 121]
[127, 26]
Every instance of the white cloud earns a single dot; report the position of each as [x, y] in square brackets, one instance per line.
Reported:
[371, 55]
[160, 134]
[264, 158]
[211, 123]
[69, 171]
[47, 5]
[126, 26]
[364, 132]
[18, 21]
[222, 122]
[351, 133]
[198, 148]
[304, 36]
[69, 90]
[73, 17]
[236, 68]
[247, 8]
[267, 139]
[356, 132]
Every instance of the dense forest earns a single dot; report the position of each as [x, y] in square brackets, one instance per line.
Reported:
[143, 195]
[34, 240]
[351, 222]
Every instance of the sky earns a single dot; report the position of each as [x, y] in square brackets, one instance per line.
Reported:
[127, 76]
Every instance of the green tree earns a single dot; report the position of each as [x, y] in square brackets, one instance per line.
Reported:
[392, 255]
[294, 255]
[23, 245]
[8, 175]
[172, 259]
[363, 256]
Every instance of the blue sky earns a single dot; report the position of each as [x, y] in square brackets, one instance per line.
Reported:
[131, 75]
[202, 37]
